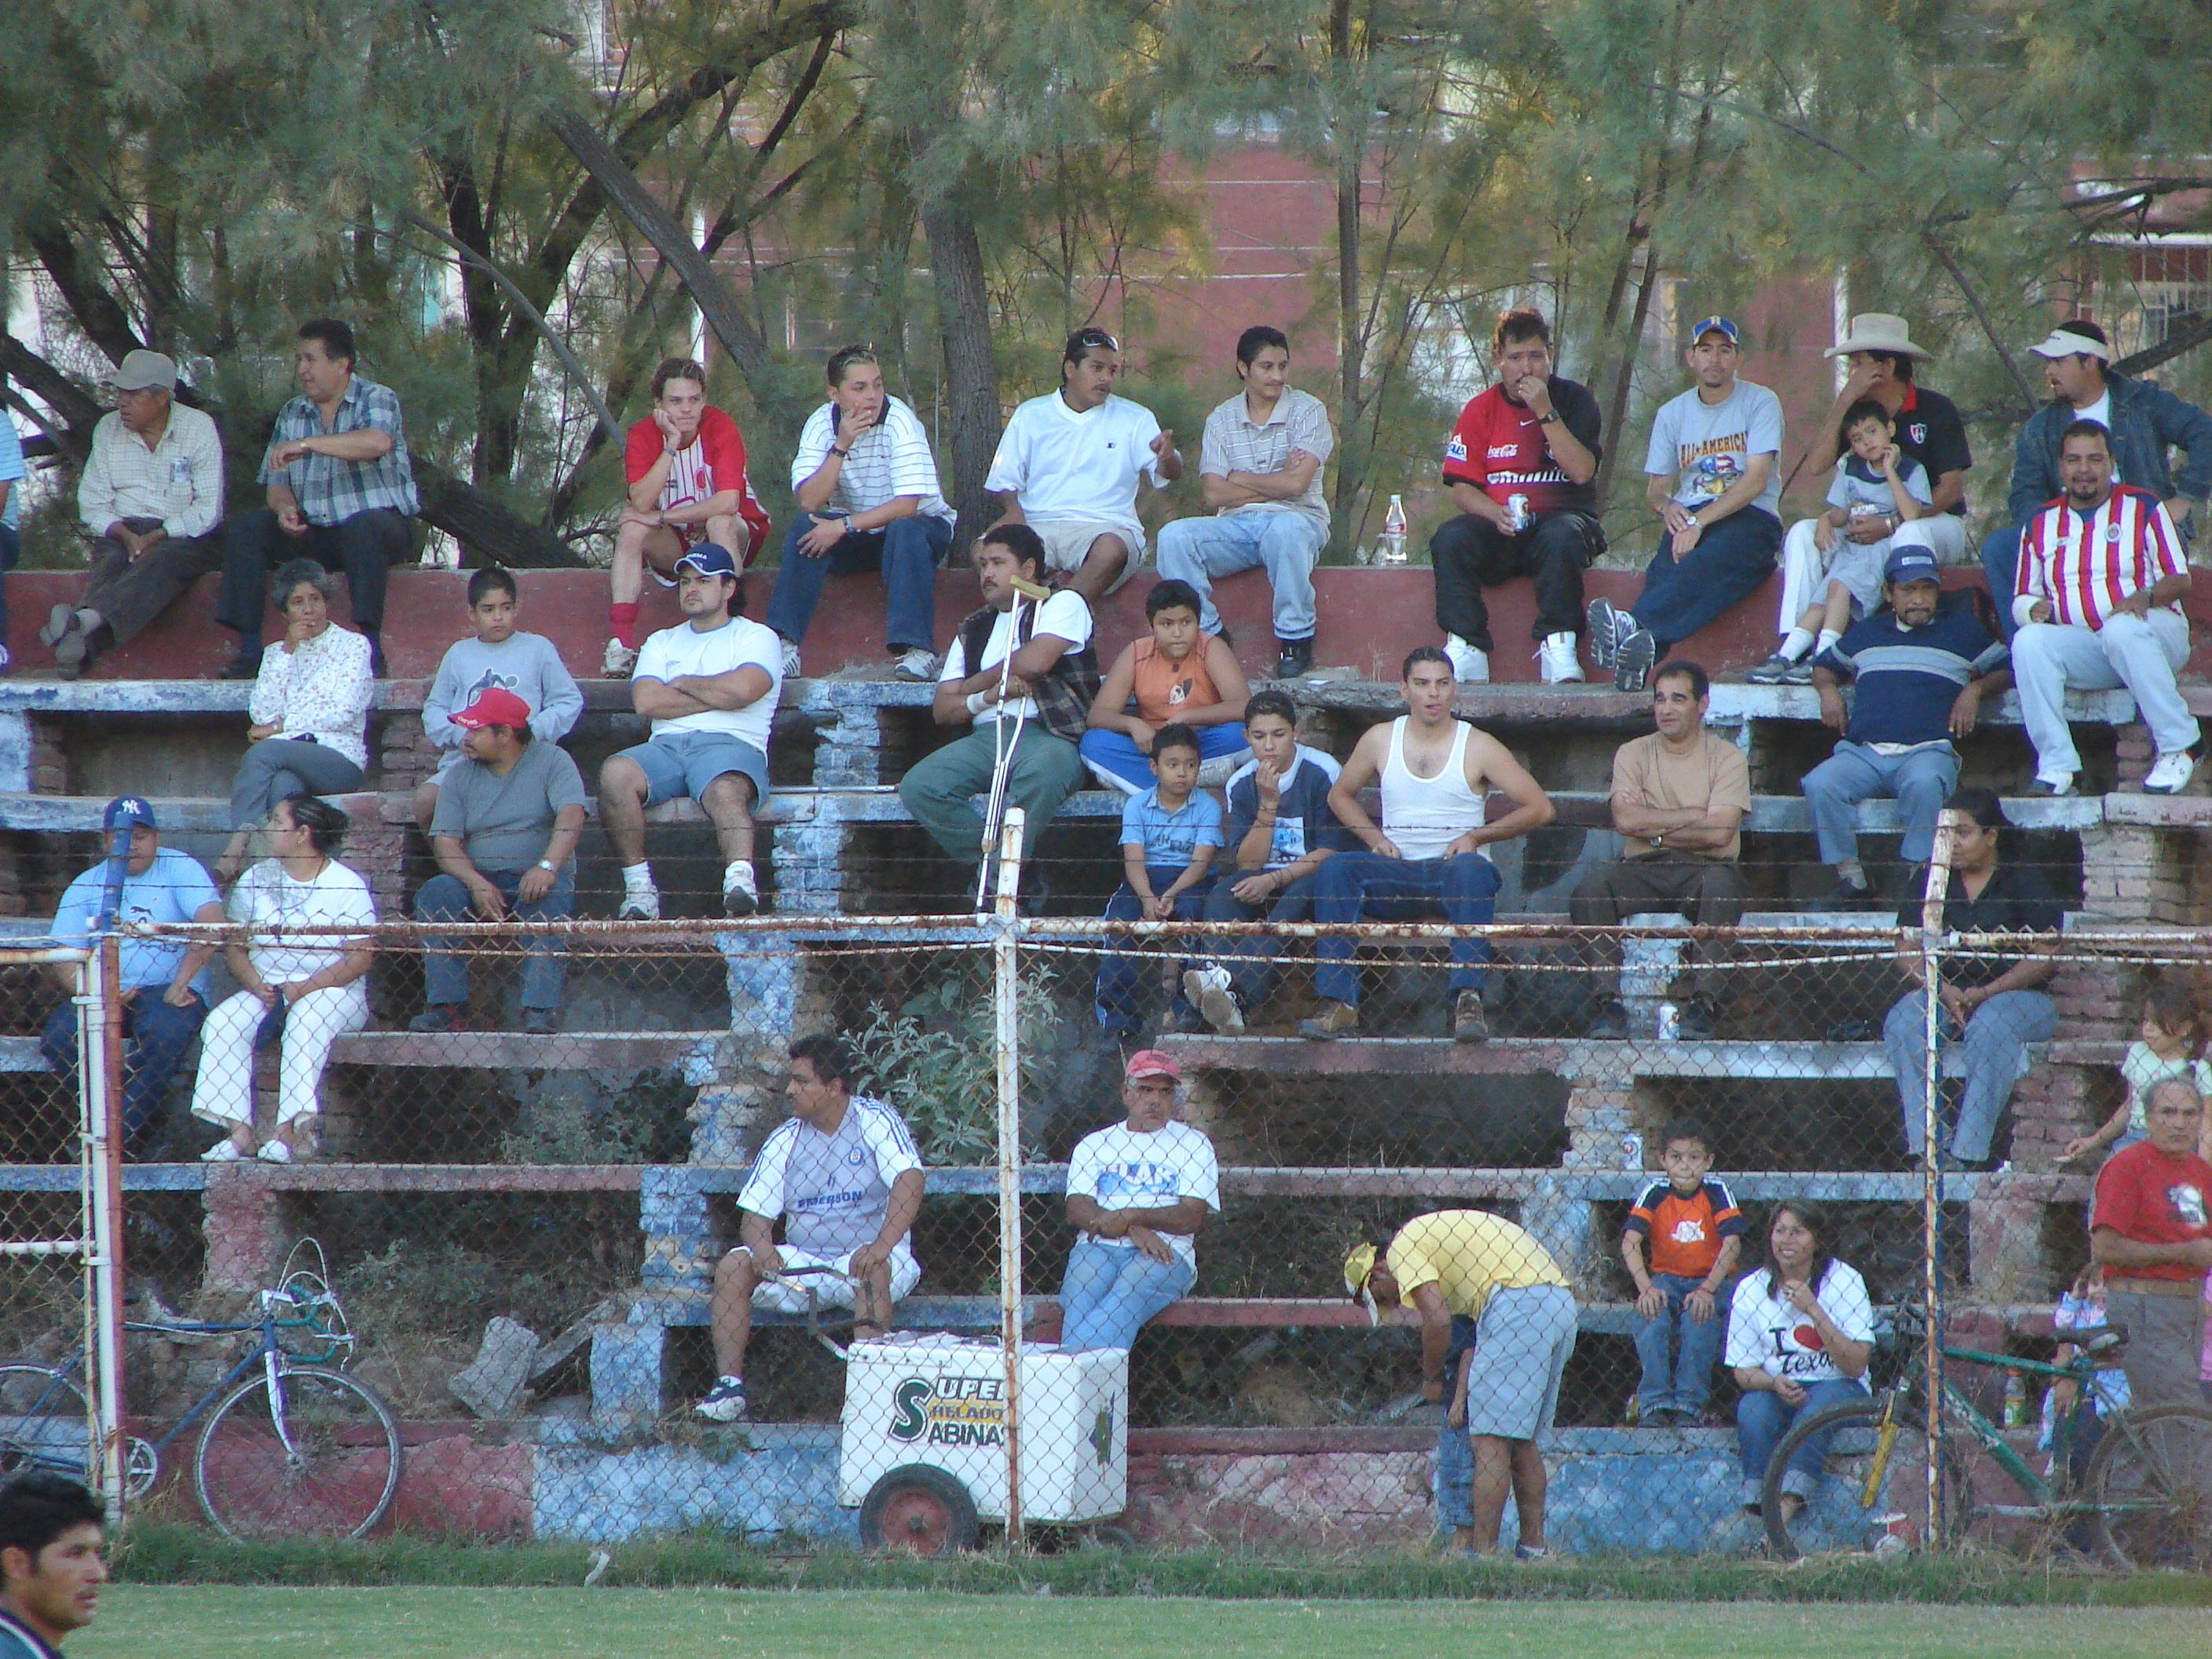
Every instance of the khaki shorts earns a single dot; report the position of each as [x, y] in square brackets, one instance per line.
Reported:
[1068, 543]
[789, 1296]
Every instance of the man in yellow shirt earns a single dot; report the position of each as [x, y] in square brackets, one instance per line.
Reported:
[1470, 1262]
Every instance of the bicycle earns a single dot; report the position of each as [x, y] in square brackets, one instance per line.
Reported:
[292, 1447]
[2144, 1500]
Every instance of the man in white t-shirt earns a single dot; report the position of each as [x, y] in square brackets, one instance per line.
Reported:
[867, 487]
[710, 686]
[1068, 463]
[1711, 476]
[1048, 691]
[843, 1176]
[1138, 1192]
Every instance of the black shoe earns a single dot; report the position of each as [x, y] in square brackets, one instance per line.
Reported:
[1611, 1024]
[541, 1021]
[1296, 658]
[375, 657]
[1848, 895]
[1696, 1016]
[1221, 632]
[246, 667]
[1188, 1022]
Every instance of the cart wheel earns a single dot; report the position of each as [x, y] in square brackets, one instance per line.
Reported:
[1110, 1535]
[918, 1510]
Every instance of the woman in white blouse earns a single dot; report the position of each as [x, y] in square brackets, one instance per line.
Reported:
[309, 708]
[303, 989]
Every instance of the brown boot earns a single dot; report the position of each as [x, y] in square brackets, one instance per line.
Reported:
[1469, 1022]
[1335, 1019]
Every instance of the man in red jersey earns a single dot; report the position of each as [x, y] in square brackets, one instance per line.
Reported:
[2150, 1233]
[1534, 436]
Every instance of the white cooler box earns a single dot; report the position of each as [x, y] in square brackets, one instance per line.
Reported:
[941, 1400]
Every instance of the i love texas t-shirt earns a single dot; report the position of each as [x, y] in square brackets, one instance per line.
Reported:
[1766, 1332]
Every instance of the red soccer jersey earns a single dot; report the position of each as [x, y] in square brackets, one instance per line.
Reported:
[2085, 563]
[2143, 1195]
[714, 460]
[1498, 447]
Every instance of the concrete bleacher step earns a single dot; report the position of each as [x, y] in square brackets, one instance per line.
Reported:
[1751, 1060]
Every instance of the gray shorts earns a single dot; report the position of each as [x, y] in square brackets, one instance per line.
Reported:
[1858, 568]
[1521, 1348]
[685, 762]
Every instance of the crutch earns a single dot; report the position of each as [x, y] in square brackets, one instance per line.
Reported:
[1002, 746]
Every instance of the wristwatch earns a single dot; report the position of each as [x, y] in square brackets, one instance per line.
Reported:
[1658, 837]
[1547, 420]
[548, 867]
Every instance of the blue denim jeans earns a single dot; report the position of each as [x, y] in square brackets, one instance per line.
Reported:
[1111, 1290]
[2001, 564]
[1120, 975]
[1677, 1352]
[1252, 961]
[1919, 782]
[1116, 752]
[1453, 1485]
[544, 965]
[1997, 1034]
[1368, 887]
[907, 551]
[1285, 540]
[1731, 558]
[155, 1034]
[1761, 1420]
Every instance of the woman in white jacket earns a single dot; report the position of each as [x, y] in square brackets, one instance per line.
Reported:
[309, 708]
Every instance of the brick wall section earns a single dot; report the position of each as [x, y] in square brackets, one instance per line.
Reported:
[2132, 745]
[50, 772]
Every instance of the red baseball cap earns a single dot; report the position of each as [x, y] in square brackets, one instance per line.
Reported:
[1151, 1062]
[495, 706]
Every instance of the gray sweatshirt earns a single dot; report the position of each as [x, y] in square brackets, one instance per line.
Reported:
[525, 664]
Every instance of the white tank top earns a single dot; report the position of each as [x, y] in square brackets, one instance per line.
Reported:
[1424, 816]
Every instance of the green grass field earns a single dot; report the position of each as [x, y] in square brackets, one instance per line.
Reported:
[411, 1622]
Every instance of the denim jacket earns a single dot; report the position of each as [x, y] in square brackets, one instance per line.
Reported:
[2146, 419]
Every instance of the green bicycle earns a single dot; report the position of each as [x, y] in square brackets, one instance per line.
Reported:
[2144, 1499]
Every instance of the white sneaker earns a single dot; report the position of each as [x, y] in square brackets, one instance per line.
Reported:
[792, 667]
[618, 662]
[1556, 662]
[2171, 772]
[918, 664]
[740, 895]
[1469, 664]
[640, 904]
[1207, 990]
[273, 1152]
[223, 1152]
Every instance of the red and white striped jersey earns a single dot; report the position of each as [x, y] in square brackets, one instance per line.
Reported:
[2085, 563]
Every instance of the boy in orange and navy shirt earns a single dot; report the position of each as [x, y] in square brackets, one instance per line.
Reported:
[1680, 1244]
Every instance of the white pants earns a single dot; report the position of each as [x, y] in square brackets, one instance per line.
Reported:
[224, 1093]
[2140, 653]
[790, 1296]
[1804, 567]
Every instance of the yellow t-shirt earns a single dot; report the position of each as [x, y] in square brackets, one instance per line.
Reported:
[1467, 1254]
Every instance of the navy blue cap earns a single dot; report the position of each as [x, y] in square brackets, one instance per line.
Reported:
[1911, 564]
[1716, 325]
[129, 811]
[709, 559]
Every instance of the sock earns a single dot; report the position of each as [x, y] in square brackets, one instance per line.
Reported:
[637, 879]
[1851, 871]
[1828, 637]
[1795, 644]
[622, 620]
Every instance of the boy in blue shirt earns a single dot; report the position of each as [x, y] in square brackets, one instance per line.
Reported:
[1168, 835]
[1280, 829]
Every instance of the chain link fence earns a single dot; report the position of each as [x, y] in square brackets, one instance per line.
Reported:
[528, 1233]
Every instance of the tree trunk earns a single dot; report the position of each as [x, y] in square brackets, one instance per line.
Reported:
[971, 361]
[1350, 338]
[483, 523]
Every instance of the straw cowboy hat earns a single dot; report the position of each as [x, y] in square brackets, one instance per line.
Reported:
[1877, 330]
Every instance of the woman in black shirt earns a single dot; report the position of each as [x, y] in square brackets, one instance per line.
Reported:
[1991, 1004]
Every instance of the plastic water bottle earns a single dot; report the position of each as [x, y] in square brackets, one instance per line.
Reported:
[1391, 549]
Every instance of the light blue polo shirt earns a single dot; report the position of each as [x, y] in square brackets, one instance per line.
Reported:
[173, 887]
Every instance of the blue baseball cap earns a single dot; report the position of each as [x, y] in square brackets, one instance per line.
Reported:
[129, 812]
[1911, 564]
[709, 559]
[1716, 325]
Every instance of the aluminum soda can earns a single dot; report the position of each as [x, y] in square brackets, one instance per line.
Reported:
[1670, 1023]
[1631, 1151]
[1516, 513]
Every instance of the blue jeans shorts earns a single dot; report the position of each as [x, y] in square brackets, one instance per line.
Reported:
[685, 762]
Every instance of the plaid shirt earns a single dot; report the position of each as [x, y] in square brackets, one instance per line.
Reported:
[331, 491]
[1233, 444]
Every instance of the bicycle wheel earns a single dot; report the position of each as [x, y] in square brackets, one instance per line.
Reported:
[2151, 1479]
[325, 1465]
[42, 1422]
[1875, 1464]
